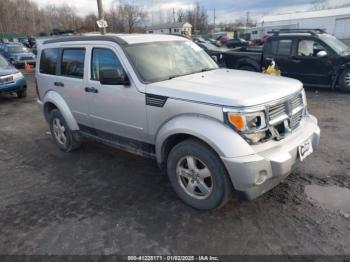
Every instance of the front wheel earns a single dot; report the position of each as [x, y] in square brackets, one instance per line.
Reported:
[344, 81]
[22, 93]
[198, 176]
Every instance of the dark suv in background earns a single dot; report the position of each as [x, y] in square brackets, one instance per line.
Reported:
[311, 56]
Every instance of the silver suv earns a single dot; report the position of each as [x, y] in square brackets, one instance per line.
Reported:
[213, 131]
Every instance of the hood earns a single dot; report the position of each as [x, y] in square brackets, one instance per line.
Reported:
[24, 54]
[227, 87]
[8, 70]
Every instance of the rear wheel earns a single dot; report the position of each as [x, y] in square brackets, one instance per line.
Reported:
[344, 81]
[198, 176]
[22, 93]
[62, 135]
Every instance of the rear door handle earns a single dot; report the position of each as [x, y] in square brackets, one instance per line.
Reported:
[91, 90]
[59, 84]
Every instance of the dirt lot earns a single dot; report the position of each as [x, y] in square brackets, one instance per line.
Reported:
[103, 201]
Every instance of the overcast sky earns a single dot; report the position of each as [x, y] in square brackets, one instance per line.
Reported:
[226, 10]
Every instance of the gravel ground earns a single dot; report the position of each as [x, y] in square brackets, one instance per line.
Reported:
[100, 200]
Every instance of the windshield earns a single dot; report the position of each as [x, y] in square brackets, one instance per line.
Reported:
[17, 49]
[338, 46]
[165, 60]
[3, 62]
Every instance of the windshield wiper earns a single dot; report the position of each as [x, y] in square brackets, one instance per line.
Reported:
[207, 69]
[195, 72]
[174, 76]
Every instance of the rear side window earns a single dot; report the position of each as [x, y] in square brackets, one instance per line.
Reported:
[284, 47]
[72, 63]
[48, 61]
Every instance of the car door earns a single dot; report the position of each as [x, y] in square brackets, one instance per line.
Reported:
[70, 82]
[116, 110]
[308, 66]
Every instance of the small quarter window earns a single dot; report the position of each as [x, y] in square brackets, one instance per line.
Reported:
[48, 61]
[72, 64]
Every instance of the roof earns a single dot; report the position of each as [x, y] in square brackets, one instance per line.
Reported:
[121, 39]
[168, 25]
[305, 15]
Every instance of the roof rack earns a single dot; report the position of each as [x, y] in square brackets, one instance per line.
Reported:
[314, 31]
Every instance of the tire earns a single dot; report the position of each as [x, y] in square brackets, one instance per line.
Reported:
[344, 81]
[62, 135]
[248, 68]
[22, 93]
[217, 189]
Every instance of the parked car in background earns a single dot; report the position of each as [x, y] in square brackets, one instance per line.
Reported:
[24, 41]
[233, 43]
[11, 80]
[4, 40]
[213, 131]
[18, 55]
[311, 56]
[214, 51]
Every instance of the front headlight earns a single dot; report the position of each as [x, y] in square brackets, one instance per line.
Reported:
[247, 122]
[251, 124]
[17, 76]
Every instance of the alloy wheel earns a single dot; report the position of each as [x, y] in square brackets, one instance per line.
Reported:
[194, 177]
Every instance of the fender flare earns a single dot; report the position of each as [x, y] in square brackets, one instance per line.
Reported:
[56, 99]
[338, 72]
[221, 138]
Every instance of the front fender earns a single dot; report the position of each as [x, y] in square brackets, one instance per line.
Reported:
[224, 140]
[56, 99]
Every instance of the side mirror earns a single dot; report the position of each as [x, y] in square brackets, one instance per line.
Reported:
[322, 54]
[113, 77]
[215, 58]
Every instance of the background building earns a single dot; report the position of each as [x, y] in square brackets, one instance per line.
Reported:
[172, 28]
[333, 21]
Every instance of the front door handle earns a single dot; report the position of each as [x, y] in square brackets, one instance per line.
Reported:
[59, 84]
[91, 90]
[295, 59]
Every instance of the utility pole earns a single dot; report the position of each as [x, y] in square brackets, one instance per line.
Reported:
[101, 15]
[214, 21]
[174, 14]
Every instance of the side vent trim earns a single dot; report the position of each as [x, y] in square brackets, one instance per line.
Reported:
[155, 100]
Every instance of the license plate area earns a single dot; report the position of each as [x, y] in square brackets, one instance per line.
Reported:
[305, 149]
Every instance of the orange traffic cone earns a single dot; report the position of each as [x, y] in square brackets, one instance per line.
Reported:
[27, 68]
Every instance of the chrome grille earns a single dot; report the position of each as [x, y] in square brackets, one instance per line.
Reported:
[26, 58]
[289, 112]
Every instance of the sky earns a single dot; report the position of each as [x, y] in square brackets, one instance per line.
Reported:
[226, 10]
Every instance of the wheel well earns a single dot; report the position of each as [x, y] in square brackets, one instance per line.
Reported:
[172, 141]
[48, 107]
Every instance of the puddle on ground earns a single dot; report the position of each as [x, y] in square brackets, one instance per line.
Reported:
[332, 197]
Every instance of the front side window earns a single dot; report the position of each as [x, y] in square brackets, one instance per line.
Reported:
[159, 61]
[284, 47]
[48, 61]
[309, 48]
[72, 63]
[103, 59]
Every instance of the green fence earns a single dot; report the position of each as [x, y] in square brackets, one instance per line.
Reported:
[11, 35]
